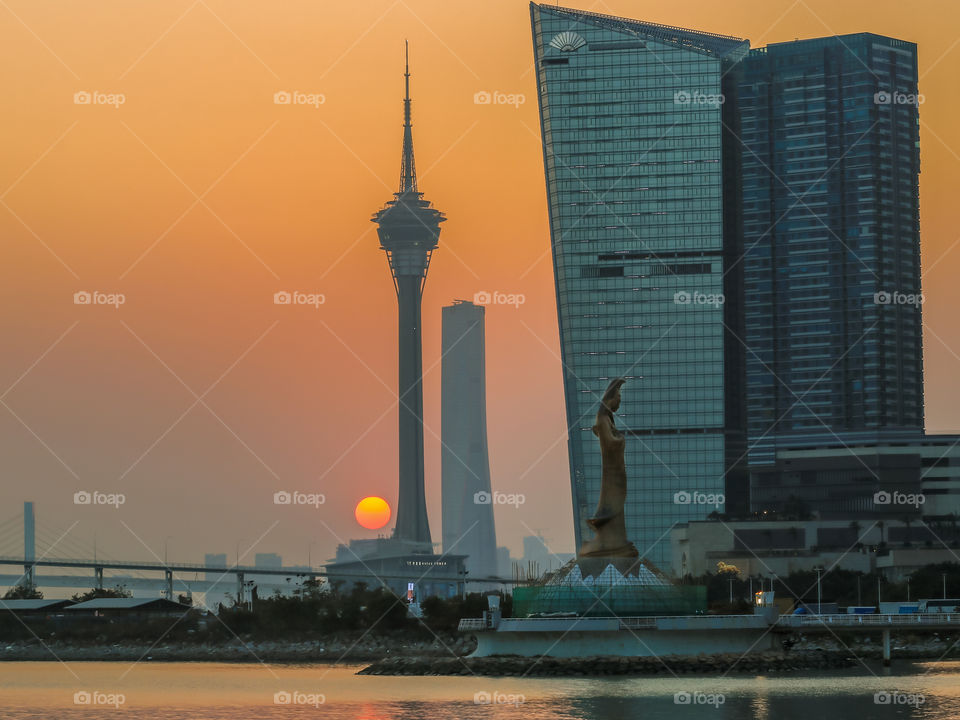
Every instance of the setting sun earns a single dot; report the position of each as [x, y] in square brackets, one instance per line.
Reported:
[372, 512]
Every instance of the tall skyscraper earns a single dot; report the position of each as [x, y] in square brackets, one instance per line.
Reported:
[468, 525]
[409, 231]
[831, 222]
[642, 174]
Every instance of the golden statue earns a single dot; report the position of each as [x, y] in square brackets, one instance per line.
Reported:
[610, 532]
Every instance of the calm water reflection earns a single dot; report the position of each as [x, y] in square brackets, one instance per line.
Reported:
[200, 691]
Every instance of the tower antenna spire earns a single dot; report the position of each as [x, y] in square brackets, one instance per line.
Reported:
[408, 168]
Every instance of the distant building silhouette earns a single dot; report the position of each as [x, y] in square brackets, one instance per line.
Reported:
[468, 524]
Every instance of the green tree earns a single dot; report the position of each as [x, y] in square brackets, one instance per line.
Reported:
[23, 592]
[98, 593]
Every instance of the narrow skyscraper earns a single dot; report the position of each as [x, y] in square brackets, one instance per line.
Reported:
[641, 164]
[468, 526]
[409, 230]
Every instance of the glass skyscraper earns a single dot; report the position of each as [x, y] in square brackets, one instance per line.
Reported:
[639, 127]
[831, 166]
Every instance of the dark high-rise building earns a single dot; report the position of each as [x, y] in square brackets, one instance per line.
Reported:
[409, 230]
[831, 166]
[468, 527]
[641, 161]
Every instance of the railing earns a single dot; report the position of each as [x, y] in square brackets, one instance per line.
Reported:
[638, 623]
[914, 619]
[472, 624]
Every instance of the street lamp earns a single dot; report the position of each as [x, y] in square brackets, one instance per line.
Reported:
[819, 570]
[944, 577]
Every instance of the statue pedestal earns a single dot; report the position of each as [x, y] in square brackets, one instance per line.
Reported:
[607, 587]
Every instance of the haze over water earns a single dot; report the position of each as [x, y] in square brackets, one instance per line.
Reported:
[201, 691]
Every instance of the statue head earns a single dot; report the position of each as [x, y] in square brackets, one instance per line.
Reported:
[611, 398]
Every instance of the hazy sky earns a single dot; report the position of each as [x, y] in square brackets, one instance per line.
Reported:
[198, 197]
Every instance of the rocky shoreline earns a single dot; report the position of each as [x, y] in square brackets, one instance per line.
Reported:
[329, 650]
[505, 666]
[403, 655]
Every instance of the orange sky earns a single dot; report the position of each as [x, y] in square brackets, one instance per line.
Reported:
[198, 198]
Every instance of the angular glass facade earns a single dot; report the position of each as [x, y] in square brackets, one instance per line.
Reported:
[643, 195]
[831, 166]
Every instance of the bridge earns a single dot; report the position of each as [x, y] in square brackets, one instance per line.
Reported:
[175, 572]
[166, 575]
